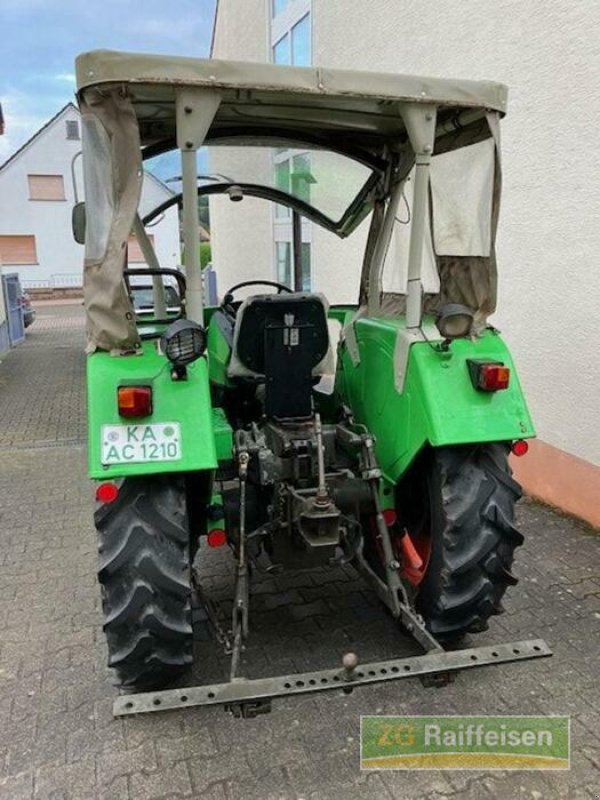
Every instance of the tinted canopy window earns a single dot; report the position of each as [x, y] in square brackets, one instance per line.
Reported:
[327, 181]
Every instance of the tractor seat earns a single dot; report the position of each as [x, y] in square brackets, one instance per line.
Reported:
[281, 340]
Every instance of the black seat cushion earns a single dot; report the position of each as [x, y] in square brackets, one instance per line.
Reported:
[304, 317]
[283, 337]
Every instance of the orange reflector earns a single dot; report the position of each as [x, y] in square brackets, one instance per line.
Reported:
[520, 448]
[389, 517]
[134, 401]
[412, 560]
[493, 377]
[216, 538]
[107, 492]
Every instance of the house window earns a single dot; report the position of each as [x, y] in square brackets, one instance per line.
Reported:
[278, 6]
[291, 45]
[72, 129]
[283, 255]
[16, 250]
[46, 187]
[282, 53]
[134, 251]
[305, 258]
[285, 268]
[301, 55]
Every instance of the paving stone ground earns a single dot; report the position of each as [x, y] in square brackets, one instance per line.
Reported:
[58, 740]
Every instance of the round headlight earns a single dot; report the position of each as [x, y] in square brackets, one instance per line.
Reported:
[454, 321]
[183, 342]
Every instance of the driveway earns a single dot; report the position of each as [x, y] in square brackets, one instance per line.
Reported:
[58, 740]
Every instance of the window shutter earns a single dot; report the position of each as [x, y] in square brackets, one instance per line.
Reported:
[17, 250]
[46, 187]
[72, 129]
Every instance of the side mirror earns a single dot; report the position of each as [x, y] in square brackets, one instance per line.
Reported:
[78, 222]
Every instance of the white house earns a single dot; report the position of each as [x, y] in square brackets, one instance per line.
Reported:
[549, 236]
[4, 339]
[39, 185]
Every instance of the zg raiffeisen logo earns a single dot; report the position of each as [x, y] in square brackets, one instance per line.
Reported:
[458, 742]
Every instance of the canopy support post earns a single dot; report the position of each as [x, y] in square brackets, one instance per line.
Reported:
[420, 122]
[196, 109]
[191, 236]
[297, 251]
[158, 287]
[381, 248]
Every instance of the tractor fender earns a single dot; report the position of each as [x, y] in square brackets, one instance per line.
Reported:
[200, 434]
[436, 402]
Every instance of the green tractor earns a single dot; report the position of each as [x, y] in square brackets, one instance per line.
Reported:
[302, 435]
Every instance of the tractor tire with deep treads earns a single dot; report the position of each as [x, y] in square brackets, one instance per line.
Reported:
[471, 498]
[145, 576]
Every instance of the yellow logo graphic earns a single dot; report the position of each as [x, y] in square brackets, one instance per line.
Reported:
[402, 735]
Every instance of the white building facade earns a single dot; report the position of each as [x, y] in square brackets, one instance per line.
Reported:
[4, 336]
[549, 236]
[39, 184]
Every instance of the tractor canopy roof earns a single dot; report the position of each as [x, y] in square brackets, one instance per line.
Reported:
[369, 132]
[341, 112]
[343, 108]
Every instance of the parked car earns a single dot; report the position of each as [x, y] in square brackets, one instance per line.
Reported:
[143, 300]
[28, 310]
[141, 294]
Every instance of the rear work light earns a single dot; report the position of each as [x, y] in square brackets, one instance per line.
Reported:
[134, 401]
[488, 376]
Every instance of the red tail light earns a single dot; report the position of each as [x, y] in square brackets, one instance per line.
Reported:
[216, 538]
[134, 401]
[520, 447]
[389, 517]
[107, 492]
[489, 376]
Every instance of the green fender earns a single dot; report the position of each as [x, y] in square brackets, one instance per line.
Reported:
[206, 436]
[438, 404]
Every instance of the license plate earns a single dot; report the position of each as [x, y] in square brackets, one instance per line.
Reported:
[134, 444]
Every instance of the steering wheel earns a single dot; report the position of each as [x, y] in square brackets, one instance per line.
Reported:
[227, 303]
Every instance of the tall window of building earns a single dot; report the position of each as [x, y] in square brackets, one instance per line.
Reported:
[291, 45]
[278, 6]
[72, 126]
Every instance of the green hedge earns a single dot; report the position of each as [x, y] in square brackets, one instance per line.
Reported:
[205, 256]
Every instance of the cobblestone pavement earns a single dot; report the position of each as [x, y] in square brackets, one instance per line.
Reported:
[41, 397]
[58, 740]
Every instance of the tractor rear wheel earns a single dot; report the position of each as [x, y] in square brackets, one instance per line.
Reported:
[458, 507]
[145, 576]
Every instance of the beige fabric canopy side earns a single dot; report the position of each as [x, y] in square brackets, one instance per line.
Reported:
[113, 178]
[469, 280]
[473, 280]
